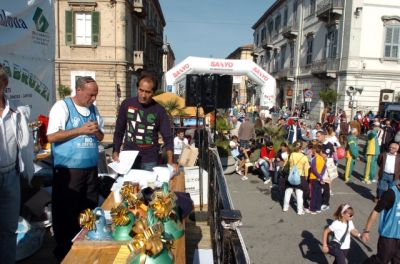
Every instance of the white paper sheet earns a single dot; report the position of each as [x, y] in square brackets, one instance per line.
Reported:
[164, 174]
[126, 160]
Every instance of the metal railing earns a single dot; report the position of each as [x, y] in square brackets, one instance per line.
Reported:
[326, 5]
[290, 31]
[325, 65]
[227, 243]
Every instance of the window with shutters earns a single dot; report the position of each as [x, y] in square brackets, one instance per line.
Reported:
[82, 28]
[310, 41]
[285, 16]
[331, 43]
[277, 23]
[294, 18]
[392, 35]
[311, 10]
[291, 47]
[283, 57]
[276, 60]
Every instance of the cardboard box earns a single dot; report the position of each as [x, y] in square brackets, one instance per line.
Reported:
[192, 184]
[188, 156]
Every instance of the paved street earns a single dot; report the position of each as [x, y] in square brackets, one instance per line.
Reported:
[272, 236]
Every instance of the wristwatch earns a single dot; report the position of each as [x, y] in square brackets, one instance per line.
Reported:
[365, 231]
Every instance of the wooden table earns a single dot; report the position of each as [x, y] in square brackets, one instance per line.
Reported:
[105, 253]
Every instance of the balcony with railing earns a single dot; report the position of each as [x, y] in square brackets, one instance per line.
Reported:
[138, 8]
[290, 32]
[138, 59]
[151, 28]
[267, 44]
[329, 10]
[326, 68]
[285, 74]
[158, 40]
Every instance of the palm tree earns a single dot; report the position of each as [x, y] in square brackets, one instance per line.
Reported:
[328, 97]
[173, 108]
[275, 133]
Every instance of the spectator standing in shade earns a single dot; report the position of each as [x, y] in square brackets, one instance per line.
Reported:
[318, 127]
[16, 157]
[388, 134]
[294, 131]
[343, 130]
[389, 169]
[235, 124]
[246, 132]
[241, 115]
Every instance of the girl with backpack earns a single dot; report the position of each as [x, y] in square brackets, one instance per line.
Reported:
[297, 180]
[341, 228]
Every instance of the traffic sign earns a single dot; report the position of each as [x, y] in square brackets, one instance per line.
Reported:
[308, 93]
[308, 99]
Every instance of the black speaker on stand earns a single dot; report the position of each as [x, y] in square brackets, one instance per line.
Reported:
[224, 91]
[193, 90]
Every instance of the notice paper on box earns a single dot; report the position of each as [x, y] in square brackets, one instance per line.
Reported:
[192, 184]
[126, 160]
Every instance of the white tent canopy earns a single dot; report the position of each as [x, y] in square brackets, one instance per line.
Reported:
[196, 65]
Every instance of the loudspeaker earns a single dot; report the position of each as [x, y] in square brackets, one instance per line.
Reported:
[224, 91]
[209, 90]
[193, 90]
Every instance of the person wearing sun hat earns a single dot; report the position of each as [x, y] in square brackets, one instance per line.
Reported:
[389, 229]
[371, 154]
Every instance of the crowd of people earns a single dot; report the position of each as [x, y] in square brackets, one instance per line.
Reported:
[306, 164]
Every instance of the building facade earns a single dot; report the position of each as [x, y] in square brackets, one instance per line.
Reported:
[243, 90]
[112, 41]
[348, 46]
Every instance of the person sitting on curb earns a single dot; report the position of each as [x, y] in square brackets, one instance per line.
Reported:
[265, 162]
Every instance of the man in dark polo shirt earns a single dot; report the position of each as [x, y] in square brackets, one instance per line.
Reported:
[389, 169]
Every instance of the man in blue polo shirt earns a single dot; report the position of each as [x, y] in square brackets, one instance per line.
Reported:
[389, 227]
[75, 129]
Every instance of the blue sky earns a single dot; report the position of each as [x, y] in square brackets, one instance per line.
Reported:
[210, 28]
